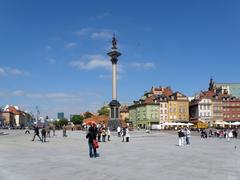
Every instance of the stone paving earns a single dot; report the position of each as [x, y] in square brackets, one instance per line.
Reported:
[146, 156]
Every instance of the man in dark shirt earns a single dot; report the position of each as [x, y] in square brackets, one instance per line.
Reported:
[91, 136]
[44, 134]
[36, 133]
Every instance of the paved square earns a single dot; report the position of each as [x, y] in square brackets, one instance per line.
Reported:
[146, 156]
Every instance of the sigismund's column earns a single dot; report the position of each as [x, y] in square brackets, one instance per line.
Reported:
[114, 104]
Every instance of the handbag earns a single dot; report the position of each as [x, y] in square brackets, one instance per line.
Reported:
[95, 144]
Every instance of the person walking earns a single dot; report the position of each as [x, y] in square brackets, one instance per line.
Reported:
[44, 134]
[36, 133]
[91, 136]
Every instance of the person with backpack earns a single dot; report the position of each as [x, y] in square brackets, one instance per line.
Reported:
[92, 140]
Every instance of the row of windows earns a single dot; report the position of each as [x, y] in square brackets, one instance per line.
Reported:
[204, 107]
[231, 115]
[217, 108]
[232, 109]
[180, 110]
[205, 114]
[206, 101]
[231, 104]
[165, 105]
[162, 117]
[161, 111]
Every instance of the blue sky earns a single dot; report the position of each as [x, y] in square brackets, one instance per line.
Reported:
[53, 53]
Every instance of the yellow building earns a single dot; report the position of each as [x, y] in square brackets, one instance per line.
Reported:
[178, 105]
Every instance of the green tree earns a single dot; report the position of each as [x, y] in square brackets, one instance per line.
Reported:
[104, 111]
[62, 122]
[87, 115]
[77, 119]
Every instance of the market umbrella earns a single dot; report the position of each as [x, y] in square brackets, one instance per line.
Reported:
[237, 123]
[90, 122]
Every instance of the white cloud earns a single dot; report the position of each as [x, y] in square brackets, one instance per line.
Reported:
[84, 31]
[2, 72]
[70, 45]
[105, 34]
[97, 34]
[18, 93]
[8, 71]
[91, 62]
[145, 66]
[54, 95]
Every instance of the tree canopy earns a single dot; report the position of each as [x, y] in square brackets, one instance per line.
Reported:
[77, 119]
[104, 111]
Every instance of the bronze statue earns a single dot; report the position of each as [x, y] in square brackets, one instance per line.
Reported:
[114, 42]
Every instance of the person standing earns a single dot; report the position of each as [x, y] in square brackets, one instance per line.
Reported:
[36, 133]
[179, 137]
[44, 134]
[127, 135]
[48, 131]
[119, 131]
[64, 131]
[188, 135]
[104, 134]
[99, 133]
[123, 133]
[91, 136]
[54, 128]
[108, 134]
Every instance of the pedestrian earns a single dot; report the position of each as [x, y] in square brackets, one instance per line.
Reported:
[43, 132]
[108, 134]
[180, 137]
[127, 135]
[230, 135]
[119, 131]
[48, 131]
[64, 131]
[99, 133]
[91, 136]
[123, 133]
[54, 128]
[104, 134]
[36, 133]
[188, 135]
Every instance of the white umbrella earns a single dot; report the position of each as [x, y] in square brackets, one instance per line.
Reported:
[221, 123]
[237, 123]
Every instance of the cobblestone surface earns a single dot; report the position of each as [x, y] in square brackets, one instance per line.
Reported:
[146, 156]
